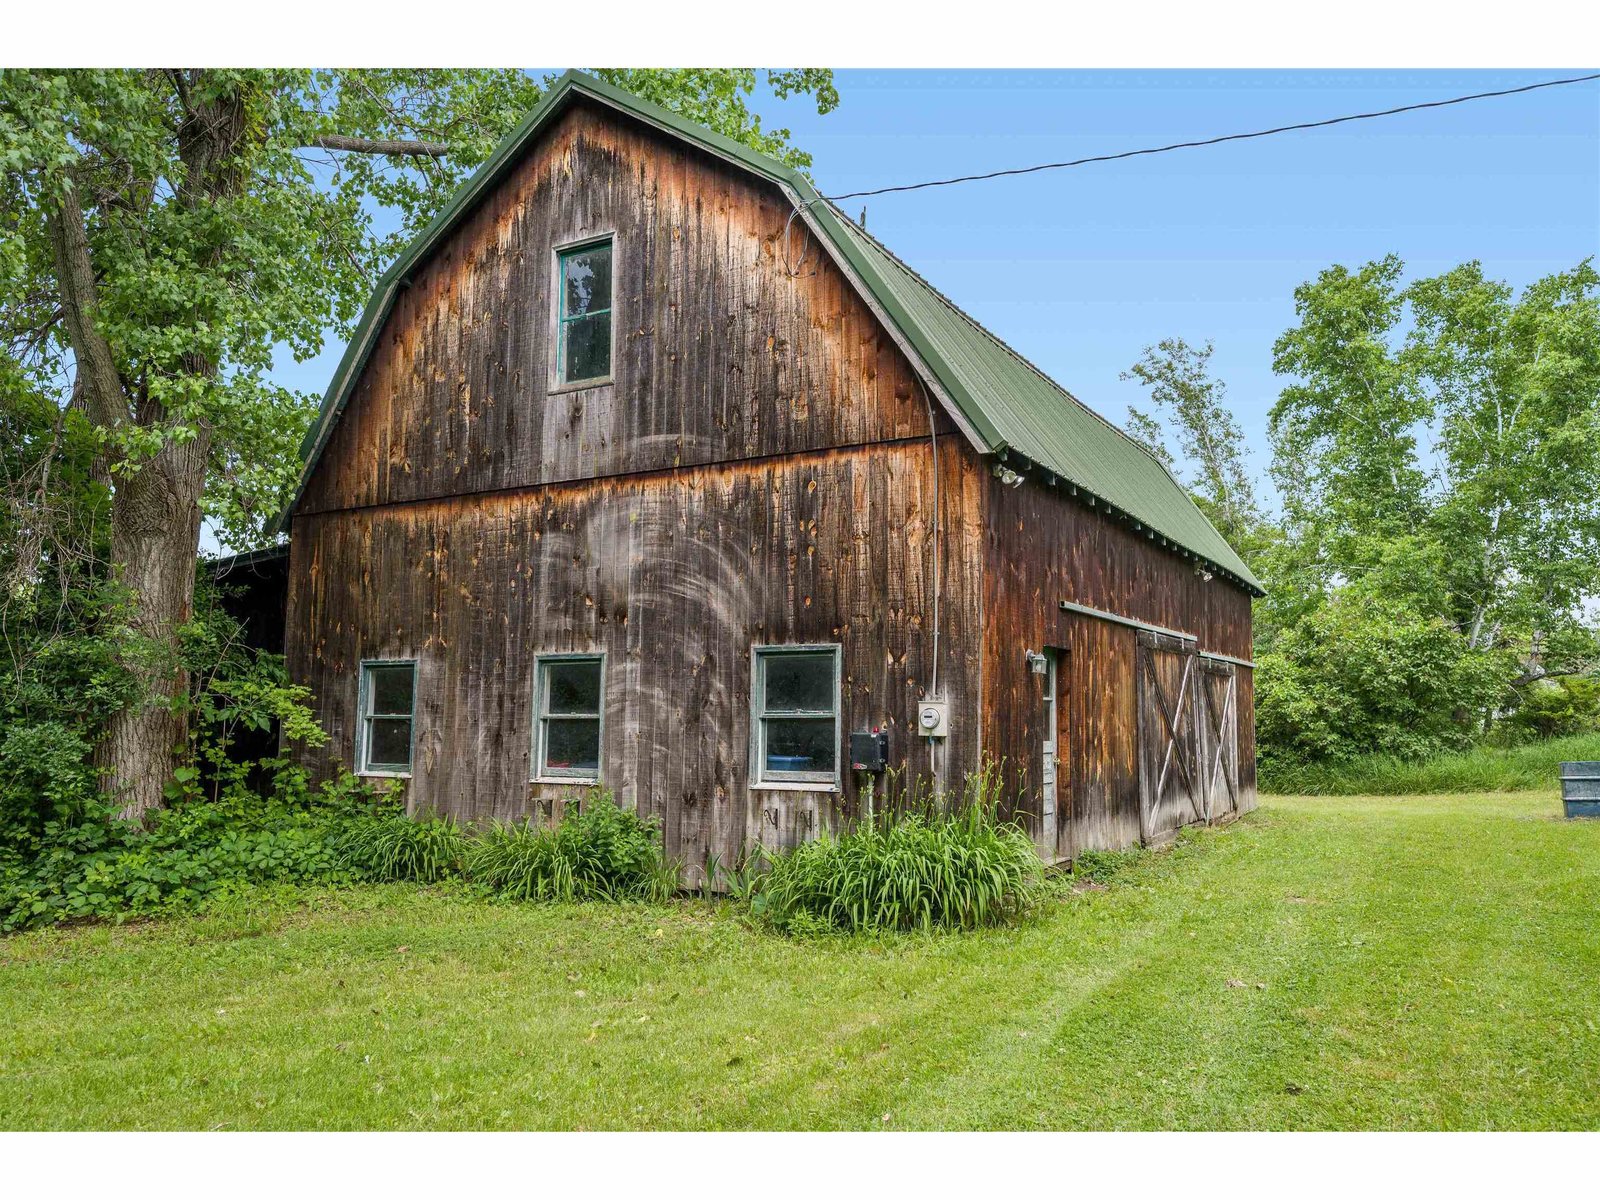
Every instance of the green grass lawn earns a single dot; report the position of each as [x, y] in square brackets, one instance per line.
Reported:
[1345, 963]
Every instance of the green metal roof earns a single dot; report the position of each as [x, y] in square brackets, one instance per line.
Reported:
[1004, 403]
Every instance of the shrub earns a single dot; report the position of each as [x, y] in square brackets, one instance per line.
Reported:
[599, 851]
[99, 866]
[952, 865]
[1357, 676]
[45, 775]
[389, 846]
[1559, 708]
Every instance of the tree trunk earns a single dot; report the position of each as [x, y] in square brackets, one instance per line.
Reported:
[155, 509]
[155, 537]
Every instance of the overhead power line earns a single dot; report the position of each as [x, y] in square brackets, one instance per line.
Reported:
[1216, 141]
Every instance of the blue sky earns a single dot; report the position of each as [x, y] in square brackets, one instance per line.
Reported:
[1080, 269]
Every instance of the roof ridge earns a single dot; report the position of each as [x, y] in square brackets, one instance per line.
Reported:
[1003, 399]
[997, 339]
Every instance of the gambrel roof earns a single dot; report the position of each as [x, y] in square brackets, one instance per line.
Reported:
[1002, 402]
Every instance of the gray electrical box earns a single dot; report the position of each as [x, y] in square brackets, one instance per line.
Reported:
[933, 718]
[870, 751]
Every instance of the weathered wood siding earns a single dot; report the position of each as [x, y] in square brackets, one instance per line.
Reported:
[758, 471]
[1044, 546]
[674, 576]
[719, 354]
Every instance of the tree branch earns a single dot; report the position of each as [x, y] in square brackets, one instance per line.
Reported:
[106, 401]
[396, 147]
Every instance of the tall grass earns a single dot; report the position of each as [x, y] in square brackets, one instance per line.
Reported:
[391, 846]
[599, 851]
[951, 863]
[1483, 769]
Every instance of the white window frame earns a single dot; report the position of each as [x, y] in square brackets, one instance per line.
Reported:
[365, 719]
[541, 719]
[802, 781]
[558, 325]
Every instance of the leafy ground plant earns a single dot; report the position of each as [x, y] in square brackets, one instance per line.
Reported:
[599, 851]
[188, 855]
[944, 865]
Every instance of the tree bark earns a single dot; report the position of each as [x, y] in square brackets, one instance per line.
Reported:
[155, 541]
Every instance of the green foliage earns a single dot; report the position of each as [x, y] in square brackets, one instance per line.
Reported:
[45, 776]
[188, 855]
[1359, 675]
[389, 847]
[203, 271]
[598, 851]
[1106, 866]
[1436, 447]
[1439, 448]
[1208, 436]
[230, 822]
[1559, 708]
[1535, 766]
[952, 865]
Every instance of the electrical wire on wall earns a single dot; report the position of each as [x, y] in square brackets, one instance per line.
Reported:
[933, 670]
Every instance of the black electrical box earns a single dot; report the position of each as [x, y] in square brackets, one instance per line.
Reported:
[870, 751]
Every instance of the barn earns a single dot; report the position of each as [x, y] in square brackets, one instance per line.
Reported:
[648, 468]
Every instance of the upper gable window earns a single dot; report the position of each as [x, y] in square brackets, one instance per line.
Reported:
[583, 325]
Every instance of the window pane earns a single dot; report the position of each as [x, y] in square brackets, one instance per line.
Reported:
[586, 278]
[799, 683]
[588, 347]
[572, 745]
[390, 744]
[572, 687]
[389, 689]
[800, 745]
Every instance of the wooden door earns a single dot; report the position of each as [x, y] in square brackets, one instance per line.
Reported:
[1061, 685]
[1045, 827]
[1217, 693]
[1170, 795]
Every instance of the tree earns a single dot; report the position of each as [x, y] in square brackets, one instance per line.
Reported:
[1438, 451]
[1344, 440]
[1469, 446]
[1514, 398]
[1211, 446]
[167, 229]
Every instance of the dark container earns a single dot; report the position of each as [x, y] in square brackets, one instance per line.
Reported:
[1580, 788]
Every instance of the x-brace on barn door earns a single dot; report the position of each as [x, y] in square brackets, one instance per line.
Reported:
[1170, 787]
[1217, 696]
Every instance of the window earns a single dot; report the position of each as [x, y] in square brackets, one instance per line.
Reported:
[796, 714]
[388, 701]
[583, 334]
[567, 733]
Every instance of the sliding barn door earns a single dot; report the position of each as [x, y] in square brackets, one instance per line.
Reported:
[1170, 790]
[1217, 697]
